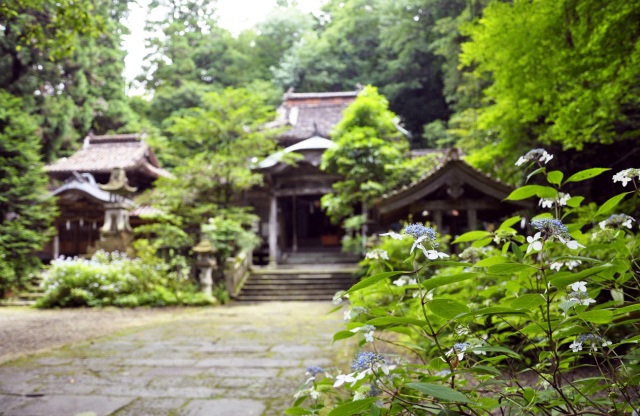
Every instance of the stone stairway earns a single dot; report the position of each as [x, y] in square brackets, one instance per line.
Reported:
[28, 297]
[302, 282]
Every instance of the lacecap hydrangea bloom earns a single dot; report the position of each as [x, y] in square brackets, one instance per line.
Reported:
[627, 175]
[550, 229]
[617, 220]
[593, 340]
[422, 235]
[535, 155]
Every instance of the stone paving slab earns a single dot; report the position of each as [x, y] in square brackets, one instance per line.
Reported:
[233, 360]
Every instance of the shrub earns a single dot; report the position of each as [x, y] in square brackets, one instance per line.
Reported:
[539, 321]
[114, 279]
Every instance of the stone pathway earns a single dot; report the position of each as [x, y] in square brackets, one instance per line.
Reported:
[239, 360]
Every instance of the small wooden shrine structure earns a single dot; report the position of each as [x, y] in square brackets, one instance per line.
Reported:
[95, 197]
[454, 196]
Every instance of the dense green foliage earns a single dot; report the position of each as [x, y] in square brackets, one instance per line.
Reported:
[26, 210]
[113, 279]
[541, 320]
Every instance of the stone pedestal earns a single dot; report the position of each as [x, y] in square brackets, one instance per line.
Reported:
[206, 267]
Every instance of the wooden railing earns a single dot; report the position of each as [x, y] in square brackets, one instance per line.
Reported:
[237, 271]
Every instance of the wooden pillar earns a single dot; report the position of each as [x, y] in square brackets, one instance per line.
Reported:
[437, 218]
[56, 245]
[472, 219]
[294, 219]
[273, 231]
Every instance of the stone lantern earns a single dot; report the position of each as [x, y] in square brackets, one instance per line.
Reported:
[206, 264]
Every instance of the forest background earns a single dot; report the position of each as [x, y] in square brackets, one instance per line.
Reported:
[490, 77]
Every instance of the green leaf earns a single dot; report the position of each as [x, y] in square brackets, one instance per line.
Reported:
[575, 201]
[342, 335]
[509, 268]
[599, 316]
[528, 191]
[439, 281]
[555, 177]
[529, 301]
[495, 310]
[564, 279]
[447, 308]
[439, 392]
[471, 236]
[490, 261]
[627, 309]
[395, 320]
[352, 408]
[611, 203]
[372, 280]
[297, 411]
[482, 243]
[509, 222]
[502, 350]
[586, 174]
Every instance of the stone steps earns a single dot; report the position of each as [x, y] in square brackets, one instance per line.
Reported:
[296, 284]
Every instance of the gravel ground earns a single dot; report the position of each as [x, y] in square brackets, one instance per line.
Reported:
[26, 331]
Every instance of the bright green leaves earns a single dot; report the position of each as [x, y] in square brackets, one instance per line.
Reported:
[372, 280]
[528, 191]
[447, 308]
[510, 268]
[529, 301]
[611, 203]
[352, 408]
[555, 177]
[471, 236]
[439, 392]
[586, 174]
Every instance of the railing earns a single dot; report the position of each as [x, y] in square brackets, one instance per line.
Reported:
[236, 271]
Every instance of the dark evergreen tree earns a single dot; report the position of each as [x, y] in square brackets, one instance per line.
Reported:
[26, 210]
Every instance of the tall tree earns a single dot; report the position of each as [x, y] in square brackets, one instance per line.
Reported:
[70, 81]
[26, 210]
[562, 73]
[369, 149]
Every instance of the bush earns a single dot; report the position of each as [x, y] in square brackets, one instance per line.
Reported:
[113, 279]
[543, 321]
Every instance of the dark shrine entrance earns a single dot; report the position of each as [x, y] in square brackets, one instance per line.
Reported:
[306, 226]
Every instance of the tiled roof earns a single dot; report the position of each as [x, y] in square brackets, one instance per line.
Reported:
[312, 114]
[100, 154]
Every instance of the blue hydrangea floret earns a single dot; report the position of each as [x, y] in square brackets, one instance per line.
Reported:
[366, 360]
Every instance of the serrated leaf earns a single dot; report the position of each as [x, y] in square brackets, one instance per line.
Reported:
[352, 408]
[501, 350]
[297, 411]
[598, 316]
[490, 261]
[555, 177]
[447, 308]
[396, 320]
[565, 279]
[509, 222]
[528, 301]
[471, 236]
[508, 268]
[342, 335]
[586, 174]
[372, 280]
[528, 191]
[627, 309]
[439, 392]
[447, 279]
[611, 203]
[575, 201]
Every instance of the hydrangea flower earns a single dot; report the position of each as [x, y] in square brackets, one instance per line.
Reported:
[550, 229]
[348, 378]
[405, 280]
[378, 254]
[625, 176]
[579, 286]
[459, 349]
[582, 298]
[366, 391]
[356, 310]
[421, 235]
[593, 340]
[314, 370]
[571, 264]
[617, 220]
[535, 155]
[368, 331]
[561, 200]
[367, 360]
